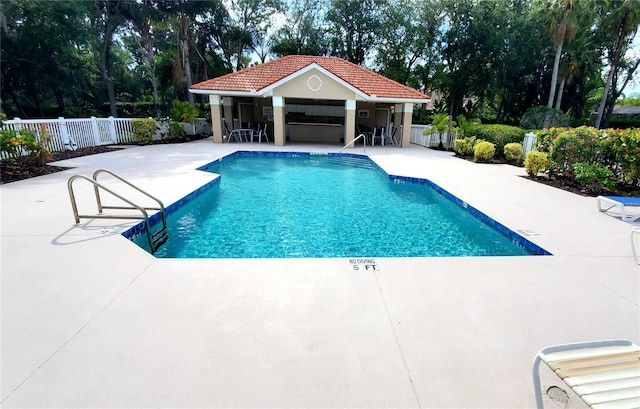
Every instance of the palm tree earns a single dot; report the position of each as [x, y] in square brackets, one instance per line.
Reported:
[621, 19]
[563, 28]
[579, 52]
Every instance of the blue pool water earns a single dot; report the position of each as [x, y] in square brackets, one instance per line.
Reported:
[301, 205]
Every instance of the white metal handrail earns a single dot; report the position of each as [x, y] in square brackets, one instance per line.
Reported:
[364, 138]
[155, 240]
[101, 206]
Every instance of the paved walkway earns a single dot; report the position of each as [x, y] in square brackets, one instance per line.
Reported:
[91, 320]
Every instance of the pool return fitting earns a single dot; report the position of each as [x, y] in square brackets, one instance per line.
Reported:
[155, 240]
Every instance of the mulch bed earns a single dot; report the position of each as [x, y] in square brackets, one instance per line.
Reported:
[24, 167]
[12, 170]
[571, 185]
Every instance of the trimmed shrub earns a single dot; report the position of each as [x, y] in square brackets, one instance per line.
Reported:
[9, 142]
[182, 111]
[584, 144]
[176, 130]
[543, 117]
[143, 129]
[14, 143]
[545, 137]
[464, 147]
[513, 152]
[594, 177]
[499, 135]
[483, 151]
[536, 162]
[626, 147]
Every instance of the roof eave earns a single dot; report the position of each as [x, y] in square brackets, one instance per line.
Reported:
[396, 100]
[225, 93]
[268, 92]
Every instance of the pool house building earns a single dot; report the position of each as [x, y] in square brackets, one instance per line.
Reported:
[300, 98]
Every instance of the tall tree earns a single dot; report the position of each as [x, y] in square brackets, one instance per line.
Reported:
[252, 19]
[185, 15]
[303, 31]
[354, 27]
[39, 71]
[111, 15]
[563, 16]
[141, 29]
[408, 37]
[618, 22]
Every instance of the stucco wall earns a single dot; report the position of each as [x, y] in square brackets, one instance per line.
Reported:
[314, 84]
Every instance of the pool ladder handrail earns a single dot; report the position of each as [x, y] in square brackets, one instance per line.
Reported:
[155, 240]
[364, 138]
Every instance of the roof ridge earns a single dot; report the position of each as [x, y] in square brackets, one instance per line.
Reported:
[258, 77]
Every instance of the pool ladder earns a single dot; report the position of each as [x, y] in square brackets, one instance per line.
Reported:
[155, 239]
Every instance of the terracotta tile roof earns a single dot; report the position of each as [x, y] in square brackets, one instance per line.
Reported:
[258, 77]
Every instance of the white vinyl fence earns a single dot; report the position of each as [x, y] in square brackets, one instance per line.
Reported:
[431, 140]
[434, 139]
[69, 134]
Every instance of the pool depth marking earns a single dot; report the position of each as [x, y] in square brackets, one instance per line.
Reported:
[363, 264]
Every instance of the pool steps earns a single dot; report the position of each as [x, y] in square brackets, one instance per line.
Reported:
[155, 239]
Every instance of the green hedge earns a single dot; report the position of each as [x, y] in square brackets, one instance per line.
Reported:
[143, 129]
[615, 149]
[499, 135]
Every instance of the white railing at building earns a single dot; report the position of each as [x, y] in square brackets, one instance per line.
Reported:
[434, 139]
[431, 140]
[70, 134]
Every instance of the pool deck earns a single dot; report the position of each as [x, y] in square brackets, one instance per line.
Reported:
[91, 320]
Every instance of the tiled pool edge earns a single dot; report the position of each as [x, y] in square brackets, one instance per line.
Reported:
[135, 231]
[515, 238]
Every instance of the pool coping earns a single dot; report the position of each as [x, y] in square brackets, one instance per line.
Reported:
[516, 239]
[83, 308]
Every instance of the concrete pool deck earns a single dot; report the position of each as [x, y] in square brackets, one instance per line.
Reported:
[91, 320]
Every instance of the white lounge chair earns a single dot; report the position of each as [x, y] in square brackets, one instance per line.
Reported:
[604, 374]
[606, 203]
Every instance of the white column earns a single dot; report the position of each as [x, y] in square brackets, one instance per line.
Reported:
[217, 129]
[228, 110]
[279, 136]
[406, 125]
[349, 121]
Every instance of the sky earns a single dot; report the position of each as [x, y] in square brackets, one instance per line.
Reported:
[633, 88]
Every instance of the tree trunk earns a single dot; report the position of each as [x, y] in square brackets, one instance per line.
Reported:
[614, 67]
[184, 52]
[560, 92]
[59, 100]
[16, 102]
[554, 75]
[103, 63]
[154, 81]
[34, 93]
[605, 94]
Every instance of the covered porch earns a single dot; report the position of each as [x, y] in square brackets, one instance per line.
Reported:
[299, 99]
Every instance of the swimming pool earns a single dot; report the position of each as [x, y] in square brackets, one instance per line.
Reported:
[288, 205]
